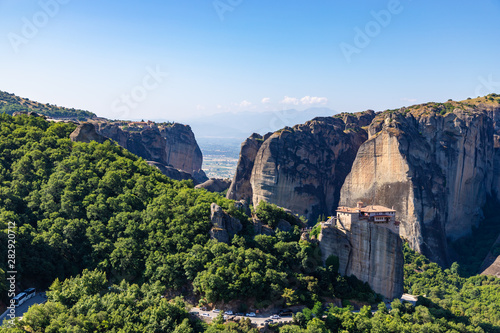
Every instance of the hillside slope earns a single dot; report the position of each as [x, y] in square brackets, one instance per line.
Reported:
[10, 103]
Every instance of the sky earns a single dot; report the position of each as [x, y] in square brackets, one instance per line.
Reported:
[181, 60]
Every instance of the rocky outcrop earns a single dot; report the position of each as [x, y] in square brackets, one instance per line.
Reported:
[27, 113]
[171, 145]
[224, 226]
[240, 188]
[435, 170]
[334, 242]
[300, 168]
[171, 172]
[260, 228]
[371, 252]
[496, 167]
[182, 151]
[86, 132]
[215, 185]
[436, 164]
[284, 225]
[491, 264]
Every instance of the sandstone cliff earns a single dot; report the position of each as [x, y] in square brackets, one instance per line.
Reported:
[300, 168]
[86, 132]
[171, 145]
[436, 164]
[171, 172]
[224, 226]
[215, 185]
[240, 188]
[371, 252]
[491, 264]
[433, 165]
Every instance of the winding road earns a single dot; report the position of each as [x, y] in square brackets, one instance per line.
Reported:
[258, 319]
[21, 310]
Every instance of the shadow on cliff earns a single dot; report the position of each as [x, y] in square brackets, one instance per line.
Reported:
[470, 251]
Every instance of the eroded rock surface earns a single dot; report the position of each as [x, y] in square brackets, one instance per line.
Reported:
[86, 132]
[172, 145]
[372, 253]
[435, 170]
[300, 168]
[215, 185]
[224, 226]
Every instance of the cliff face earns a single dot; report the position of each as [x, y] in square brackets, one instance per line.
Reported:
[372, 253]
[182, 151]
[86, 132]
[496, 167]
[491, 264]
[494, 113]
[300, 168]
[173, 146]
[435, 163]
[240, 188]
[435, 170]
[171, 172]
[215, 185]
[224, 226]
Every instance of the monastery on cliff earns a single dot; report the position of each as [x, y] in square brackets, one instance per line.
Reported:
[379, 215]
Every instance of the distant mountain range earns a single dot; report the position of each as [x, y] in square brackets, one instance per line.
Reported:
[242, 124]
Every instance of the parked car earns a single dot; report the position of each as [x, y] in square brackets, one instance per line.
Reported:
[216, 310]
[205, 315]
[228, 312]
[275, 316]
[268, 321]
[240, 314]
[204, 308]
[251, 314]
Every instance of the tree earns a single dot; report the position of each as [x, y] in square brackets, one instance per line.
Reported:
[290, 297]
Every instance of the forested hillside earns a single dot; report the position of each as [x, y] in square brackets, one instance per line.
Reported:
[113, 237]
[96, 206]
[10, 103]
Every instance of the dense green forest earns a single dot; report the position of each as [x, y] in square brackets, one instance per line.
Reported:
[10, 103]
[113, 236]
[96, 206]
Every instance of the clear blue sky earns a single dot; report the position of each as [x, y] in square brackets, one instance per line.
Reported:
[238, 55]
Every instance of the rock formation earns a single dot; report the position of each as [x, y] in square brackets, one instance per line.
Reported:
[171, 148]
[300, 168]
[27, 113]
[240, 188]
[171, 172]
[436, 170]
[436, 164]
[371, 252]
[215, 185]
[224, 226]
[491, 264]
[86, 132]
[172, 145]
